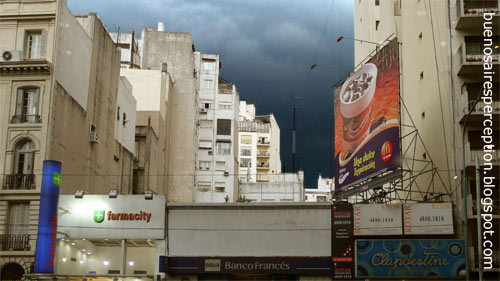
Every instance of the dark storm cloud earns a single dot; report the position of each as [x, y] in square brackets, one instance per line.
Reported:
[266, 48]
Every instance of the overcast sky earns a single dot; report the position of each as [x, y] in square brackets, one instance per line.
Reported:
[266, 48]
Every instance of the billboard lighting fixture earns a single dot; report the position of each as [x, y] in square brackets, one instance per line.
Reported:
[79, 193]
[148, 195]
[105, 263]
[131, 263]
[113, 193]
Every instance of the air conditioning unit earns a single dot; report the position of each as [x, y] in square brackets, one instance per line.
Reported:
[94, 137]
[203, 110]
[226, 174]
[12, 56]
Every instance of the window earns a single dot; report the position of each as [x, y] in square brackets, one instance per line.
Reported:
[206, 123]
[208, 84]
[377, 2]
[246, 152]
[207, 105]
[223, 148]
[377, 22]
[18, 218]
[204, 165]
[208, 65]
[118, 113]
[203, 186]
[205, 144]
[25, 157]
[321, 198]
[224, 127]
[225, 106]
[220, 166]
[33, 44]
[27, 106]
[246, 139]
[245, 162]
[220, 186]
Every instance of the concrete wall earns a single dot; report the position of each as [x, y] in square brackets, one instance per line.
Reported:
[280, 188]
[94, 167]
[243, 229]
[74, 51]
[125, 116]
[176, 49]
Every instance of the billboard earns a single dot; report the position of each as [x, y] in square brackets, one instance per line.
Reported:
[410, 258]
[342, 242]
[377, 219]
[428, 218]
[367, 120]
[47, 220]
[124, 217]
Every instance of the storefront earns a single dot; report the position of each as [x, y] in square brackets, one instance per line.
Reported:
[101, 237]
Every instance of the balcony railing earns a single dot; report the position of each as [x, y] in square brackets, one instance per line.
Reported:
[263, 142]
[19, 181]
[14, 242]
[18, 119]
[263, 165]
[479, 154]
[263, 154]
[480, 7]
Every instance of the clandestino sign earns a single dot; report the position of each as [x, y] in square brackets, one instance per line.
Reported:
[124, 217]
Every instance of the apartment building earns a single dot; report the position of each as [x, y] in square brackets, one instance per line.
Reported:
[467, 44]
[216, 156]
[441, 76]
[259, 144]
[175, 52]
[61, 88]
[323, 193]
[129, 48]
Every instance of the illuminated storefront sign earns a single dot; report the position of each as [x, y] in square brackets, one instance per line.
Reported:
[124, 217]
[409, 258]
[47, 220]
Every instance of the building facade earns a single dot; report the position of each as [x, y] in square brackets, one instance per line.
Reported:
[60, 86]
[324, 191]
[216, 159]
[259, 144]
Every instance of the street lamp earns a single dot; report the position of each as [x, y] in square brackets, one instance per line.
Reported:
[354, 39]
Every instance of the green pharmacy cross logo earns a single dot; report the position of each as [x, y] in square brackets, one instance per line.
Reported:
[56, 179]
[99, 216]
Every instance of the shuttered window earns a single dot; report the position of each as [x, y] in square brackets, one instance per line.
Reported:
[18, 218]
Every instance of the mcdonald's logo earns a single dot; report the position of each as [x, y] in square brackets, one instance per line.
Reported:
[386, 152]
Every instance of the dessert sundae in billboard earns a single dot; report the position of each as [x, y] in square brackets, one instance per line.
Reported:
[367, 120]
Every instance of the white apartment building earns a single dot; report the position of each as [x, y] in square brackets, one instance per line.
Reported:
[129, 45]
[259, 144]
[324, 191]
[217, 131]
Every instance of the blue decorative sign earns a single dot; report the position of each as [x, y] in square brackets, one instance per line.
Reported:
[407, 258]
[47, 222]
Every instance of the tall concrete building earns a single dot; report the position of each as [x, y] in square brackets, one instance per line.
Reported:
[441, 76]
[129, 47]
[466, 69]
[216, 156]
[60, 89]
[259, 143]
[422, 32]
[174, 52]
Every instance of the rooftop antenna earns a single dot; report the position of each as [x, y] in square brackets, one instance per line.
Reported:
[294, 132]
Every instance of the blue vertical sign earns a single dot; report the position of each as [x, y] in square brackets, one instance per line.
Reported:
[47, 222]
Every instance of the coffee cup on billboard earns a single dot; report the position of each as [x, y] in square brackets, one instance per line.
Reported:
[356, 102]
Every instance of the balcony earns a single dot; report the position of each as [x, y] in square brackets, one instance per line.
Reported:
[19, 181]
[263, 154]
[263, 142]
[19, 119]
[251, 126]
[14, 242]
[472, 154]
[262, 165]
[470, 13]
[469, 94]
[225, 89]
[471, 57]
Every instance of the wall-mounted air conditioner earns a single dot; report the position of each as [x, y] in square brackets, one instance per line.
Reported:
[94, 137]
[12, 55]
